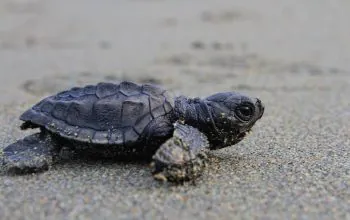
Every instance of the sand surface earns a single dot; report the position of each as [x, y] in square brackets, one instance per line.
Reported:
[294, 55]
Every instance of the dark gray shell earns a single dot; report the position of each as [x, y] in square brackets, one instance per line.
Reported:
[105, 113]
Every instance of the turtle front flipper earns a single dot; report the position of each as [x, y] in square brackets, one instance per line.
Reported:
[182, 157]
[34, 153]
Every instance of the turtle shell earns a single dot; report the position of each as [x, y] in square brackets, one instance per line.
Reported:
[105, 113]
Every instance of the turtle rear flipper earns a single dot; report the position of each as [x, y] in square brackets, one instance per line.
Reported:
[34, 153]
[182, 157]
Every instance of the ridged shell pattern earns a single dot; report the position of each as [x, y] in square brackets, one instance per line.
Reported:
[105, 113]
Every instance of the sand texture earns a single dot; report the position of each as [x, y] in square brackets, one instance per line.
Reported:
[294, 55]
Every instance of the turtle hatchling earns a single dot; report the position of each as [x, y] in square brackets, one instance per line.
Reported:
[132, 121]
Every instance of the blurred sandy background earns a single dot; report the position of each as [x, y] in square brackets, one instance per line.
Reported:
[293, 54]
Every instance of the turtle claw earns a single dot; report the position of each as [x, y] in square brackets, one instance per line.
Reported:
[160, 177]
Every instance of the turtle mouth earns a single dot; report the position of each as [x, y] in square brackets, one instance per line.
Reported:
[242, 135]
[228, 139]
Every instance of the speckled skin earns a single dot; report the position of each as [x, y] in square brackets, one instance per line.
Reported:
[130, 121]
[182, 157]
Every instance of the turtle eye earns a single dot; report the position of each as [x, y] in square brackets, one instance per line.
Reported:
[244, 111]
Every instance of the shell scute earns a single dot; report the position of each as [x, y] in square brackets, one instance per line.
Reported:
[106, 89]
[129, 88]
[106, 113]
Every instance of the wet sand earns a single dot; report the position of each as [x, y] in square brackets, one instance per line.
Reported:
[293, 55]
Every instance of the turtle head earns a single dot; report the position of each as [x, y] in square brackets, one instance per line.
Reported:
[232, 115]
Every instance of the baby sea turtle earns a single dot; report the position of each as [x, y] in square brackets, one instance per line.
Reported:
[129, 121]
